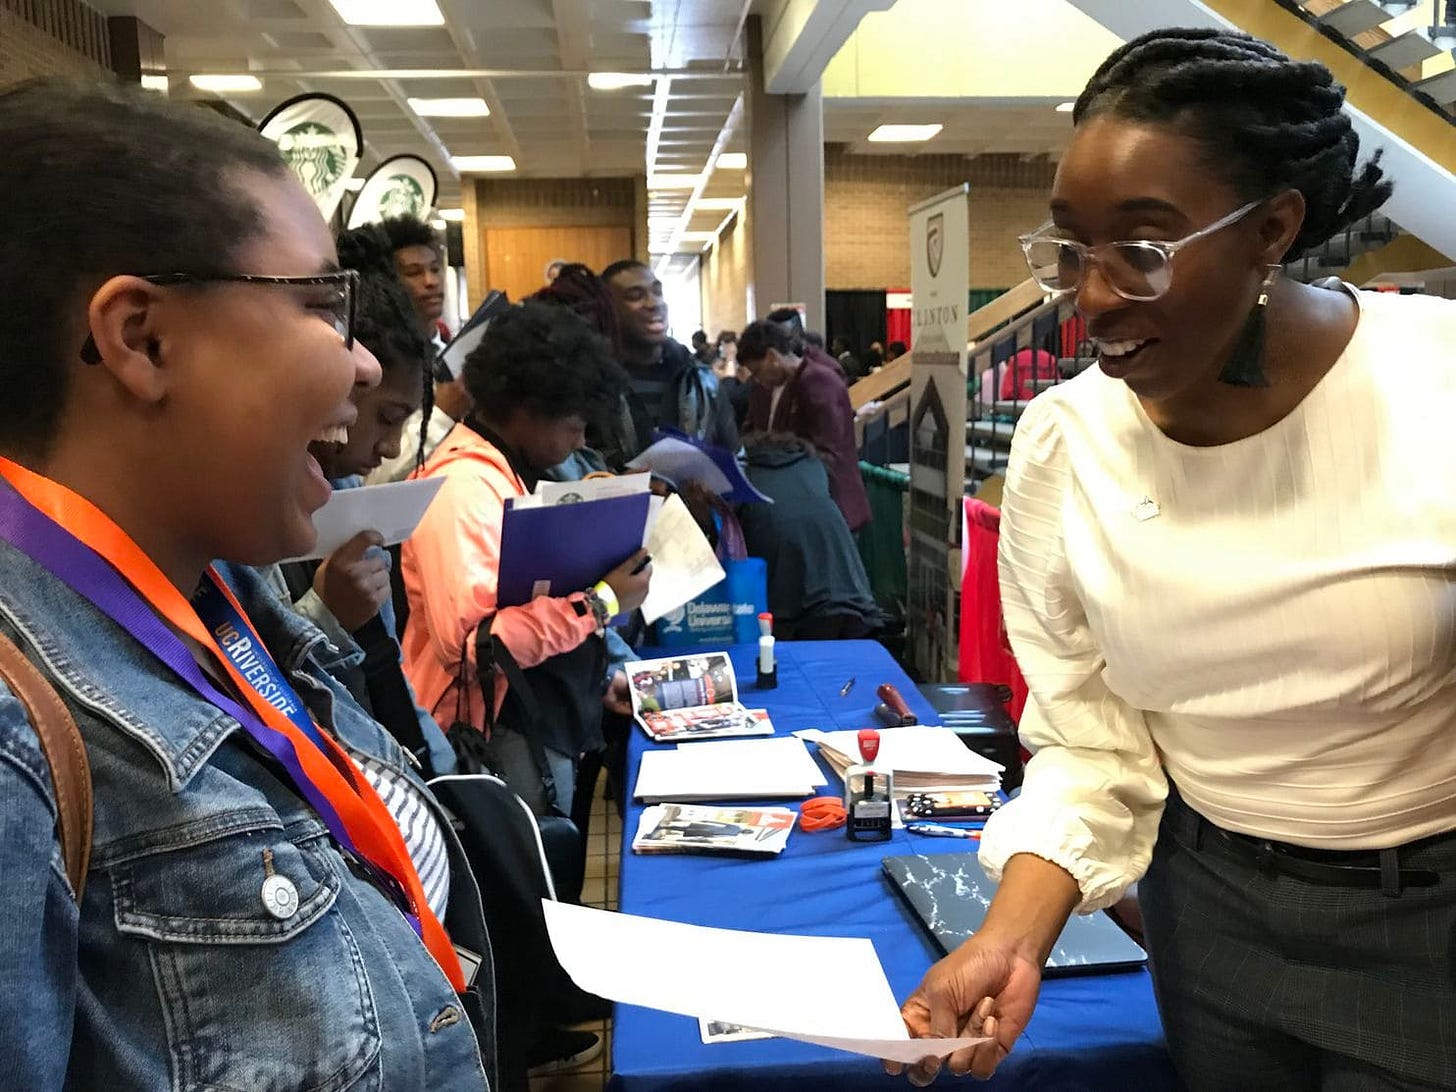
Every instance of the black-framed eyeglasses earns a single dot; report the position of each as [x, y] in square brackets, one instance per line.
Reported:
[339, 307]
[1136, 269]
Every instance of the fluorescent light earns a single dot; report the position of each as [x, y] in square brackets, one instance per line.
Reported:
[492, 164]
[438, 224]
[226, 85]
[673, 181]
[450, 108]
[733, 161]
[155, 83]
[719, 204]
[697, 236]
[615, 81]
[901, 134]
[452, 214]
[1066, 107]
[354, 185]
[389, 13]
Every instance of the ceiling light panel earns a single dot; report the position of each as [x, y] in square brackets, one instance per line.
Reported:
[615, 81]
[903, 134]
[389, 13]
[470, 107]
[483, 164]
[226, 84]
[733, 161]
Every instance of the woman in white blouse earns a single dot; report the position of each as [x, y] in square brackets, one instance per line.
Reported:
[1226, 565]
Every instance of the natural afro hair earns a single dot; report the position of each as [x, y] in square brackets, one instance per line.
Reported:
[1266, 123]
[546, 360]
[406, 231]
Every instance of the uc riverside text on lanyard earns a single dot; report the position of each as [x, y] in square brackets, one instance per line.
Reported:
[80, 545]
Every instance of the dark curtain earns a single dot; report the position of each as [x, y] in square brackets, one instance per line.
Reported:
[857, 316]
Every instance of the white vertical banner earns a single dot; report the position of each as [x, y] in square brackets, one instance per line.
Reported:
[403, 185]
[320, 140]
[940, 286]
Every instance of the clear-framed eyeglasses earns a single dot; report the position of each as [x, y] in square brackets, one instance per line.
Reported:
[1136, 269]
[335, 302]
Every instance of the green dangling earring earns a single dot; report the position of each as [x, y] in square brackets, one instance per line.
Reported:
[1245, 367]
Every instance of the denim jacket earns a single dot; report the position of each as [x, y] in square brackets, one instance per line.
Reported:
[172, 973]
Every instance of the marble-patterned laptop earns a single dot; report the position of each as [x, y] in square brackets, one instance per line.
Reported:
[949, 892]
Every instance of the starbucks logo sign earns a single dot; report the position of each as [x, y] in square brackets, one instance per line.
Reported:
[316, 155]
[403, 196]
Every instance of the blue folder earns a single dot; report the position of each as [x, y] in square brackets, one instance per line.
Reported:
[562, 548]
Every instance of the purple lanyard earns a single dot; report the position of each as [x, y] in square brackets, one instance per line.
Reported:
[86, 572]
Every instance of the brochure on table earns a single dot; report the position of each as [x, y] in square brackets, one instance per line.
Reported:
[691, 697]
[693, 828]
[720, 770]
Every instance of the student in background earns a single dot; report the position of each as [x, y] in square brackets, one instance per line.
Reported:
[796, 391]
[667, 386]
[817, 586]
[537, 378]
[420, 266]
[793, 321]
[166, 364]
[703, 352]
[350, 588]
[894, 351]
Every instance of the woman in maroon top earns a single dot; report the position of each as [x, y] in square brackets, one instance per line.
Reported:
[804, 393]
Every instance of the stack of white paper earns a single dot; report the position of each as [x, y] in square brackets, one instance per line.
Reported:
[755, 980]
[921, 759]
[754, 769]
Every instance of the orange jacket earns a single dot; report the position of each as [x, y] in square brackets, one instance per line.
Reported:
[450, 565]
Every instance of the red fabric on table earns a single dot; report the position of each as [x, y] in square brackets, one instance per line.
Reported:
[985, 653]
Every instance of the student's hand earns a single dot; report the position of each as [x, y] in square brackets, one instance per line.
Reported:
[454, 399]
[985, 987]
[618, 698]
[631, 589]
[352, 585]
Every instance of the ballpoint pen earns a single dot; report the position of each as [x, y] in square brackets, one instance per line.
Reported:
[846, 688]
[935, 830]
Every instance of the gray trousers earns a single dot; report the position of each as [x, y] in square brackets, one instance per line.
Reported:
[518, 770]
[1268, 983]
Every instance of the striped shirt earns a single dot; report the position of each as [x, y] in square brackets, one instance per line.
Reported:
[422, 835]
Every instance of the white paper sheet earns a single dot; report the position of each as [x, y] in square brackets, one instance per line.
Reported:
[690, 775]
[917, 749]
[779, 753]
[394, 510]
[683, 562]
[754, 980]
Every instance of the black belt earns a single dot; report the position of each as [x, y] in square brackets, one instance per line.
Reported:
[1329, 868]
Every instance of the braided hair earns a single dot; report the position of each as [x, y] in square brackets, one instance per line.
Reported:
[578, 288]
[1265, 122]
[384, 315]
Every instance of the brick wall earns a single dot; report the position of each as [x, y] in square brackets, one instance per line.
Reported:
[725, 279]
[866, 237]
[26, 50]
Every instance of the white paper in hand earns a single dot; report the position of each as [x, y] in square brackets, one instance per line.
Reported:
[394, 510]
[683, 563]
[754, 980]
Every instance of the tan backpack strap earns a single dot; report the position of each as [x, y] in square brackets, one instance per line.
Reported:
[65, 752]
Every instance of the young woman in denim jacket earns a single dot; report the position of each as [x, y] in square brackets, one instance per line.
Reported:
[175, 415]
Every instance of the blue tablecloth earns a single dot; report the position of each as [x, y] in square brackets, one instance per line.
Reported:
[1098, 1032]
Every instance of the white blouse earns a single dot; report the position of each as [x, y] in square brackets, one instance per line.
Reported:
[1271, 623]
